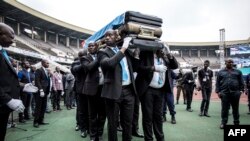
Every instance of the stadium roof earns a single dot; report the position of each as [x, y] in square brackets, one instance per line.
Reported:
[247, 41]
[24, 14]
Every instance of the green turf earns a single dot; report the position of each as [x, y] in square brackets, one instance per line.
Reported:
[189, 127]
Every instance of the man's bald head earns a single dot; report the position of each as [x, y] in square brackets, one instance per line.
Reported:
[45, 63]
[6, 35]
[229, 62]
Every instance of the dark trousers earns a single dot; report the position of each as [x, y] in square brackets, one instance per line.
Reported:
[179, 90]
[77, 109]
[151, 104]
[41, 103]
[248, 95]
[228, 99]
[69, 97]
[168, 100]
[83, 112]
[3, 125]
[57, 99]
[97, 114]
[189, 93]
[26, 99]
[135, 124]
[126, 105]
[206, 94]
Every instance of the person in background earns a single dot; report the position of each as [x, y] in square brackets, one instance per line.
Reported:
[14, 64]
[168, 99]
[24, 77]
[48, 106]
[180, 88]
[205, 76]
[247, 92]
[42, 81]
[58, 89]
[69, 85]
[229, 87]
[9, 84]
[189, 85]
[32, 78]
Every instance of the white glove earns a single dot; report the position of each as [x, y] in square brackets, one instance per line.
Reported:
[30, 88]
[42, 94]
[16, 105]
[190, 81]
[62, 93]
[126, 42]
[160, 68]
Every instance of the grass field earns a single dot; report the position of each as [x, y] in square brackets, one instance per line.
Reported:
[189, 127]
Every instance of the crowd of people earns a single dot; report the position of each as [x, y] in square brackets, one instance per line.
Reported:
[113, 83]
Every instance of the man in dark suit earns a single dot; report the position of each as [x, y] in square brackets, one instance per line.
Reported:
[205, 80]
[152, 82]
[189, 85]
[92, 88]
[9, 85]
[82, 117]
[42, 81]
[119, 87]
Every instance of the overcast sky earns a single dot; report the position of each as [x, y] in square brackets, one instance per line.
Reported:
[183, 20]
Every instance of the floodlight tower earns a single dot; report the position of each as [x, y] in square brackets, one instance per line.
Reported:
[222, 47]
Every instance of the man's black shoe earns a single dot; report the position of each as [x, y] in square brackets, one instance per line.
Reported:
[173, 121]
[222, 126]
[43, 123]
[201, 114]
[137, 134]
[22, 121]
[36, 125]
[83, 134]
[77, 128]
[48, 112]
[189, 110]
[207, 115]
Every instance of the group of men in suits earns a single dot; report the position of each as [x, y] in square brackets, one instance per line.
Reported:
[106, 78]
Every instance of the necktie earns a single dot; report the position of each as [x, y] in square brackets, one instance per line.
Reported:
[160, 79]
[28, 75]
[6, 55]
[124, 72]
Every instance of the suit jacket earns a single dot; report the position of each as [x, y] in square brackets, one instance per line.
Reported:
[42, 81]
[145, 72]
[112, 71]
[79, 73]
[9, 84]
[57, 81]
[92, 75]
[202, 75]
[189, 76]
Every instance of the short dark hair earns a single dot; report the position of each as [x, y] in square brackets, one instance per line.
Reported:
[206, 61]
